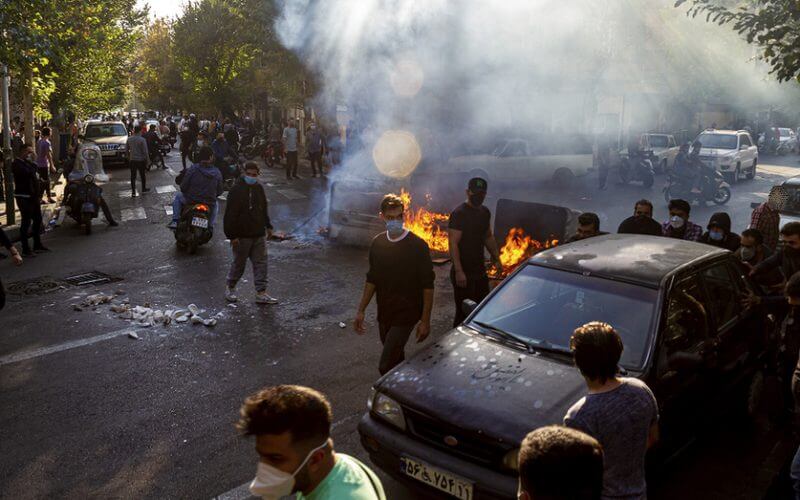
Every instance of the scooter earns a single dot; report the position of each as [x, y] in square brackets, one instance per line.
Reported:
[256, 148]
[272, 154]
[194, 227]
[83, 201]
[231, 170]
[715, 189]
[637, 168]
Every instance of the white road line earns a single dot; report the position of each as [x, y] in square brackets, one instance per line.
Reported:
[165, 189]
[43, 351]
[292, 194]
[137, 213]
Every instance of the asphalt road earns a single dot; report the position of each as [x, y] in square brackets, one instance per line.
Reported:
[86, 411]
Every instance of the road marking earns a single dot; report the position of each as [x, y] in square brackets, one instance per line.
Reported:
[292, 194]
[137, 213]
[43, 351]
[165, 189]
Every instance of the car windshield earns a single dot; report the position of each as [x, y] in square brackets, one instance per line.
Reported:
[109, 130]
[544, 306]
[791, 200]
[658, 141]
[786, 132]
[718, 141]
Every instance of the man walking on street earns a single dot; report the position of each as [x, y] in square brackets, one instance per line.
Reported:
[290, 146]
[247, 226]
[469, 233]
[621, 413]
[27, 192]
[292, 427]
[138, 158]
[44, 161]
[401, 274]
[314, 145]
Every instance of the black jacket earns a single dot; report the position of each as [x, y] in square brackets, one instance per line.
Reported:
[246, 211]
[26, 178]
[731, 241]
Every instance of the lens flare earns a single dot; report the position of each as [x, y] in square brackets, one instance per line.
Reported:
[396, 153]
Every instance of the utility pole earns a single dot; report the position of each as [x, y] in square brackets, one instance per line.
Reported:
[7, 155]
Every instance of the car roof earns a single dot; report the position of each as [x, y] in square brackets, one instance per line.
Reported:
[98, 122]
[722, 132]
[644, 260]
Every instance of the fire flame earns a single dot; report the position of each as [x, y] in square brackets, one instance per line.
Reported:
[428, 225]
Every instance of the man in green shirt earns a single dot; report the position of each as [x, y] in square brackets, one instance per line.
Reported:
[292, 426]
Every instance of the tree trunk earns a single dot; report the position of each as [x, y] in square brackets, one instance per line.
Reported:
[27, 105]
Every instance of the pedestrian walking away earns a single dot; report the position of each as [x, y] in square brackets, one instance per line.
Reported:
[401, 275]
[290, 146]
[27, 194]
[469, 232]
[138, 158]
[247, 225]
[292, 429]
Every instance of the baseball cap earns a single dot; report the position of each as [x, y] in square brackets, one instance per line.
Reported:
[477, 184]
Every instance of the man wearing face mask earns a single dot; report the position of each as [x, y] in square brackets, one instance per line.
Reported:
[719, 233]
[752, 252]
[401, 274]
[787, 258]
[469, 232]
[292, 427]
[679, 226]
[641, 222]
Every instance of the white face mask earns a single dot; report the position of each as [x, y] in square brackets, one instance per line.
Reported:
[271, 483]
[676, 222]
[201, 143]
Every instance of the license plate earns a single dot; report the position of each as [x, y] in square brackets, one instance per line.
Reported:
[108, 152]
[200, 222]
[433, 476]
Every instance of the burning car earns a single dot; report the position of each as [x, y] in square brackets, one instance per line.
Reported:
[451, 418]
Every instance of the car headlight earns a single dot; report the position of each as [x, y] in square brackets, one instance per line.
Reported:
[511, 459]
[389, 410]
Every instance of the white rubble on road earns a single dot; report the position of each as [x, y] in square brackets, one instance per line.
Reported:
[147, 316]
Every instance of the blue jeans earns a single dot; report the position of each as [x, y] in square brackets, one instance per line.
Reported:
[177, 208]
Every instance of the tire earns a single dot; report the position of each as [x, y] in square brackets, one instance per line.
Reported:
[563, 178]
[249, 153]
[648, 180]
[752, 173]
[722, 196]
[737, 174]
[268, 161]
[624, 170]
[87, 224]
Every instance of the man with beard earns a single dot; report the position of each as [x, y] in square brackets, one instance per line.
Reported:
[641, 222]
[469, 232]
[752, 252]
[787, 259]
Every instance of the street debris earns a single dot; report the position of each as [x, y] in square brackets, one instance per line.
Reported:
[145, 315]
[133, 335]
[342, 324]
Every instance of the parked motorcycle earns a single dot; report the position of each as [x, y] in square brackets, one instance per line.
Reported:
[194, 227]
[272, 154]
[715, 189]
[83, 201]
[637, 168]
[256, 148]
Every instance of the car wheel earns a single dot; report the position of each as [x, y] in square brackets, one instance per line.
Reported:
[737, 174]
[563, 178]
[752, 173]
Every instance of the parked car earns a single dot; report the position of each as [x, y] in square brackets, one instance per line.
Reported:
[732, 152]
[110, 137]
[451, 418]
[665, 149]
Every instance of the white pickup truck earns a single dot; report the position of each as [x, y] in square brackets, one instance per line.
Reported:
[514, 162]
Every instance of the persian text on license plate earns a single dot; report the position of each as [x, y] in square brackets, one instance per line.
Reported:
[432, 476]
[199, 222]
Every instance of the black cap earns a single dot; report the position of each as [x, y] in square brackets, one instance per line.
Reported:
[476, 184]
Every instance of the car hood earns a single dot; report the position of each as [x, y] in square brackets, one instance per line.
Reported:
[117, 139]
[480, 385]
[716, 152]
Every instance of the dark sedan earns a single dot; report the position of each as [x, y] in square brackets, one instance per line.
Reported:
[451, 418]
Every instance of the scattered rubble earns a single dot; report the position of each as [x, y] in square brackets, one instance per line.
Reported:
[133, 335]
[145, 315]
[342, 324]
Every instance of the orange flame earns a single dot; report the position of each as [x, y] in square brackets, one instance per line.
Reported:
[426, 224]
[517, 248]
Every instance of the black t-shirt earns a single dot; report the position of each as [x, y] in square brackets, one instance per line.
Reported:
[474, 224]
[400, 271]
[640, 225]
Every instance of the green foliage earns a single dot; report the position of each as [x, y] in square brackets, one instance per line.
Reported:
[773, 25]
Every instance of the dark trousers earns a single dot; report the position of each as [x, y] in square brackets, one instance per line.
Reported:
[44, 176]
[184, 155]
[316, 162]
[477, 289]
[106, 210]
[291, 164]
[31, 214]
[602, 171]
[393, 338]
[141, 167]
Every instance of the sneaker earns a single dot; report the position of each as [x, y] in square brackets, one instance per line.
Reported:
[229, 295]
[113, 223]
[264, 298]
[173, 225]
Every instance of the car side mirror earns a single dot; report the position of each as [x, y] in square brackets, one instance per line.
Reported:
[684, 361]
[468, 306]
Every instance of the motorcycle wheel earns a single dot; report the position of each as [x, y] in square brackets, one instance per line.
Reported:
[648, 180]
[249, 153]
[722, 196]
[87, 224]
[269, 161]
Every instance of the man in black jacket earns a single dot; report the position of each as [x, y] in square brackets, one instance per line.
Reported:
[27, 189]
[246, 224]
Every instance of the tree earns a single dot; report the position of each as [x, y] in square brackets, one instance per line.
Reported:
[157, 79]
[773, 25]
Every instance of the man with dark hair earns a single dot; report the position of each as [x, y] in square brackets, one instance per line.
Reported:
[27, 192]
[559, 463]
[289, 139]
[753, 251]
[247, 226]
[315, 144]
[766, 217]
[621, 413]
[401, 274]
[588, 226]
[138, 158]
[468, 233]
[45, 164]
[641, 222]
[292, 426]
[679, 226]
[719, 233]
[201, 184]
[787, 259]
